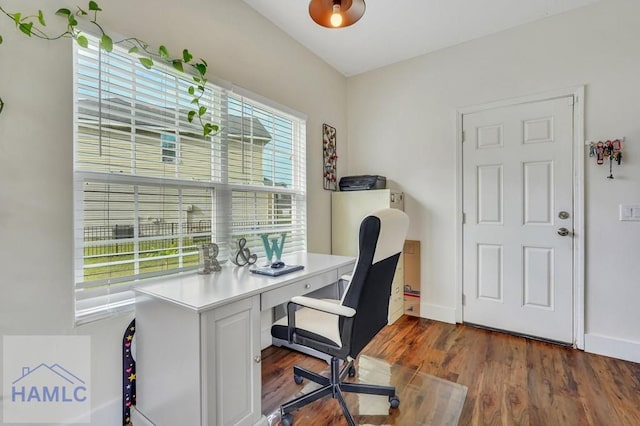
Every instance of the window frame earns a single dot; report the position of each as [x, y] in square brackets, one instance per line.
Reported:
[105, 303]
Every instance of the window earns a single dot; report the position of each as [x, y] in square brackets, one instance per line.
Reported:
[149, 188]
[168, 148]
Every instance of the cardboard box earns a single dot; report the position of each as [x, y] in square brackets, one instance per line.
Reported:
[411, 256]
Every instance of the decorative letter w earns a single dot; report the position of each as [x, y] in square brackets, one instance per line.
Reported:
[272, 248]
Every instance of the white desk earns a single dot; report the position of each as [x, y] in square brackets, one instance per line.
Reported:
[198, 340]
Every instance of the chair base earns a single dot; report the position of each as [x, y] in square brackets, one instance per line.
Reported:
[334, 386]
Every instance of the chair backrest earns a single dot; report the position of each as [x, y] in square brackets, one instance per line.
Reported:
[381, 240]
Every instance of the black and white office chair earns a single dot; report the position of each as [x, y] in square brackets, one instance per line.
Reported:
[342, 328]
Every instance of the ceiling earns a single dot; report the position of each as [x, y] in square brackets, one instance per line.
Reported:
[394, 30]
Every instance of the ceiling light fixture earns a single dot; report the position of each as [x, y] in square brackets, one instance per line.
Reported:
[336, 13]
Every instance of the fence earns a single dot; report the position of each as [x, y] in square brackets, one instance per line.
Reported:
[164, 234]
[109, 233]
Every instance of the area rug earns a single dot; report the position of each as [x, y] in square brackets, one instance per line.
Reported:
[424, 399]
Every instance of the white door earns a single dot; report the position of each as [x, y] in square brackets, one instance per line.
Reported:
[518, 200]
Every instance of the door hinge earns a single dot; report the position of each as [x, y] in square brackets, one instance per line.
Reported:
[464, 218]
[464, 300]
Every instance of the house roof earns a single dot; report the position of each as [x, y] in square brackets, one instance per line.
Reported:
[119, 111]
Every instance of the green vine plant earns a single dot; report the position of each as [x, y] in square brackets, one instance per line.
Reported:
[34, 26]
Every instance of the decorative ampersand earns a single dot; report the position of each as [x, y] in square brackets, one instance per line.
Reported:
[243, 256]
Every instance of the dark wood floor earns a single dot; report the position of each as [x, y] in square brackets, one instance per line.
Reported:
[511, 380]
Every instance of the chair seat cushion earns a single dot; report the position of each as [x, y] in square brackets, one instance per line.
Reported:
[312, 323]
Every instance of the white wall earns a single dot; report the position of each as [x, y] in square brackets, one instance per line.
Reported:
[36, 135]
[401, 122]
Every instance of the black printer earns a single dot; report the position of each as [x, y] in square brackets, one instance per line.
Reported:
[362, 182]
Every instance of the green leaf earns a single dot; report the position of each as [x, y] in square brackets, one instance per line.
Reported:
[195, 101]
[65, 12]
[93, 6]
[0, 39]
[190, 116]
[26, 28]
[196, 79]
[191, 90]
[106, 43]
[163, 52]
[16, 18]
[202, 110]
[201, 88]
[186, 55]
[202, 68]
[82, 41]
[209, 128]
[72, 21]
[146, 62]
[81, 12]
[41, 18]
[204, 62]
[177, 64]
[134, 49]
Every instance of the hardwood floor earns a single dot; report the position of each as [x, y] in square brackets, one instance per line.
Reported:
[511, 380]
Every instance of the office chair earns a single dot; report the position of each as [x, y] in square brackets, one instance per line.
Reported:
[342, 328]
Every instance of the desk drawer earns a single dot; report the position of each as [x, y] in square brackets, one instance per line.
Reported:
[272, 298]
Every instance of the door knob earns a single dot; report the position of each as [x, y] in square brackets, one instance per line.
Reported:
[563, 232]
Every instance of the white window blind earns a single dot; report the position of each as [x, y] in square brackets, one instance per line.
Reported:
[149, 188]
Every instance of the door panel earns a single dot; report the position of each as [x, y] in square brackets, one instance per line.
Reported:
[538, 282]
[517, 177]
[490, 194]
[538, 190]
[490, 272]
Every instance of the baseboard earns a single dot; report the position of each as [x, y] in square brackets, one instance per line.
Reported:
[608, 346]
[438, 313]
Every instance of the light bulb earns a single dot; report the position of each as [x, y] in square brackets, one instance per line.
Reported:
[336, 17]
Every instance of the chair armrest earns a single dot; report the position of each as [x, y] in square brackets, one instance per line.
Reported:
[324, 306]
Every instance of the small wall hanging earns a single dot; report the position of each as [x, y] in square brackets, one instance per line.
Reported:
[610, 149]
[329, 157]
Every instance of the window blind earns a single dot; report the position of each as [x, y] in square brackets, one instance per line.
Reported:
[149, 188]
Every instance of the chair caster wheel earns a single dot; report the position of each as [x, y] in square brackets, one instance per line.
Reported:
[394, 401]
[297, 379]
[287, 419]
[352, 371]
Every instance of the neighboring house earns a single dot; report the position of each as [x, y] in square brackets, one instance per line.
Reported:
[163, 152]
